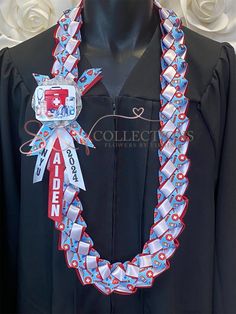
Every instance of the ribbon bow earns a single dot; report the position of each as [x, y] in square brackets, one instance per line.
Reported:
[55, 149]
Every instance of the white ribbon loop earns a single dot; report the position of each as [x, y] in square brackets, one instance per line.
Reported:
[71, 160]
[42, 159]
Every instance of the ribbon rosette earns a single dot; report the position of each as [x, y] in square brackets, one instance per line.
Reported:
[54, 143]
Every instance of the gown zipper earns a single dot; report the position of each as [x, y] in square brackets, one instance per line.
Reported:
[114, 197]
[114, 185]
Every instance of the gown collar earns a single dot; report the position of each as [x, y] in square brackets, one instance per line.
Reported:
[144, 78]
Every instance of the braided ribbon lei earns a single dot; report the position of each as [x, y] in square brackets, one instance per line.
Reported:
[80, 254]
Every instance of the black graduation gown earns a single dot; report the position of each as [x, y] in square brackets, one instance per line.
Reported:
[121, 186]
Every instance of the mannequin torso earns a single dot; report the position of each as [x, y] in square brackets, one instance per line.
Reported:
[115, 35]
[35, 278]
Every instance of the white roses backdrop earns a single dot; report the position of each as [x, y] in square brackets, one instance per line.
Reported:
[23, 19]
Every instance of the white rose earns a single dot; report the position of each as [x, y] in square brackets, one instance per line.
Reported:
[212, 18]
[206, 15]
[23, 19]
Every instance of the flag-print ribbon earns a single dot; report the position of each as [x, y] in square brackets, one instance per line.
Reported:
[91, 268]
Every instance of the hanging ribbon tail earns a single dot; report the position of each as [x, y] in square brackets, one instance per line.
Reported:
[73, 169]
[42, 159]
[79, 135]
[56, 178]
[40, 78]
[88, 79]
[40, 140]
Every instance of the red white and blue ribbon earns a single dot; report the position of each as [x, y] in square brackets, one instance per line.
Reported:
[140, 272]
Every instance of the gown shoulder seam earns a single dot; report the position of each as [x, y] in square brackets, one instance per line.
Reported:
[223, 46]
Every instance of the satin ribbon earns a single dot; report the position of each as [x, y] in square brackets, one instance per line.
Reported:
[49, 134]
[86, 81]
